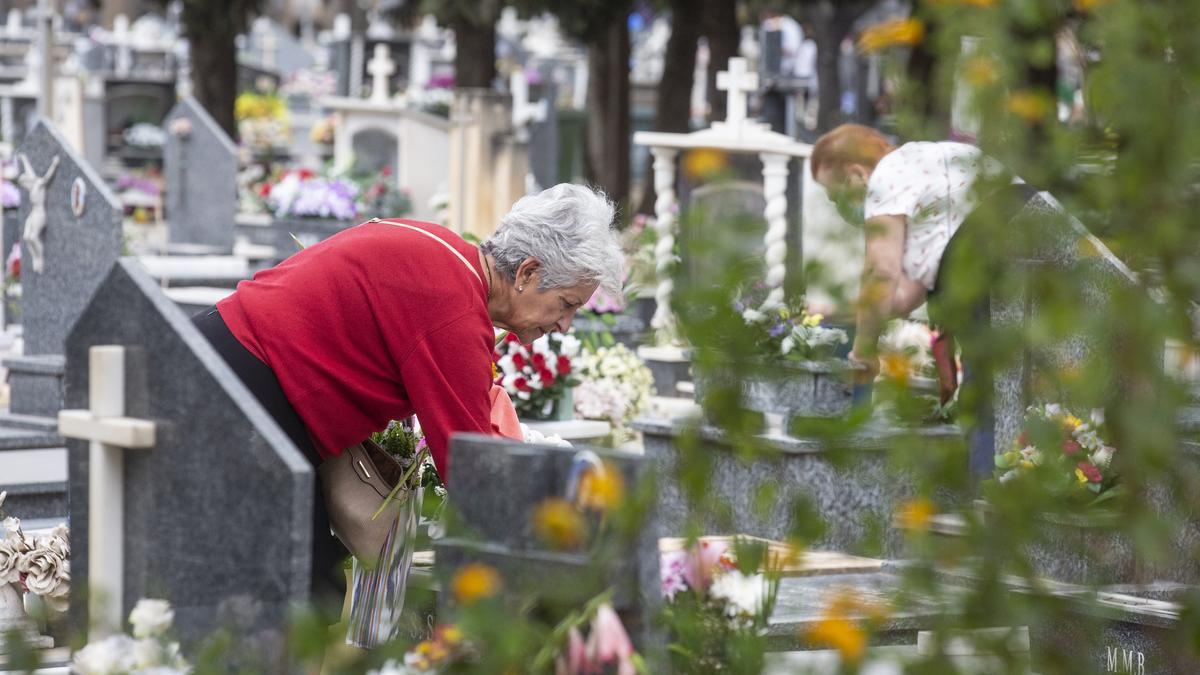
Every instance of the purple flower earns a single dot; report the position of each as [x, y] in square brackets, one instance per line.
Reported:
[10, 196]
[780, 328]
[671, 572]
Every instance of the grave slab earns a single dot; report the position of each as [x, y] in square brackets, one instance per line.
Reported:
[200, 164]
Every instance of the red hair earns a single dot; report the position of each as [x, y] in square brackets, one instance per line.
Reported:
[848, 144]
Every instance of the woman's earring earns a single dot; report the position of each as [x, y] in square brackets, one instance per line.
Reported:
[520, 289]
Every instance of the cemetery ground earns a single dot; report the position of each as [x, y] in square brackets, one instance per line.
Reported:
[707, 482]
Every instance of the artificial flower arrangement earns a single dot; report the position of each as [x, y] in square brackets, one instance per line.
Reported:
[39, 565]
[789, 332]
[148, 651]
[539, 375]
[713, 602]
[262, 120]
[380, 196]
[614, 385]
[303, 193]
[1069, 454]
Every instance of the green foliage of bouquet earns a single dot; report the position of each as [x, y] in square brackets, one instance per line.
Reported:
[1066, 455]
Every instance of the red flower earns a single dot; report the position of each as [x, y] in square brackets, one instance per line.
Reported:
[1023, 439]
[305, 174]
[1090, 471]
[518, 361]
[564, 365]
[1070, 447]
[387, 171]
[521, 384]
[539, 360]
[264, 190]
[511, 337]
[547, 377]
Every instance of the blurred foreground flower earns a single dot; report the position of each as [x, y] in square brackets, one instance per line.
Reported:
[1029, 105]
[601, 489]
[916, 514]
[895, 33]
[701, 164]
[475, 582]
[559, 524]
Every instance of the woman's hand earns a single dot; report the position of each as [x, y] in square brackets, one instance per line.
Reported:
[865, 369]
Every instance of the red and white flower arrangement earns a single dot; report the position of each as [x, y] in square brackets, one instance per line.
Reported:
[1069, 453]
[538, 375]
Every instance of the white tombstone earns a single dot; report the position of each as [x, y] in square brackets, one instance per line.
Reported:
[381, 68]
[109, 433]
[122, 39]
[524, 112]
[13, 26]
[341, 27]
[736, 134]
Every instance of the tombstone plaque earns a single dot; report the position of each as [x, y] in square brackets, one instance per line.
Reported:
[200, 162]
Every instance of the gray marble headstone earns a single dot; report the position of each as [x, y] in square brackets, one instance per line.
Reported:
[725, 224]
[201, 172]
[218, 515]
[79, 250]
[496, 485]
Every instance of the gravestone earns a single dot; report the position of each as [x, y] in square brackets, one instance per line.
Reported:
[375, 150]
[79, 249]
[725, 224]
[497, 484]
[218, 512]
[200, 162]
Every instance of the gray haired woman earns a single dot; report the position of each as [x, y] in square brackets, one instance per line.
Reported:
[396, 317]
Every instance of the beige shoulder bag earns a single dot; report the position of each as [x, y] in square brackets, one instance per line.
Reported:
[356, 483]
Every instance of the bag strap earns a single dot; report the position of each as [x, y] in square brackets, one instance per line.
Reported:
[441, 241]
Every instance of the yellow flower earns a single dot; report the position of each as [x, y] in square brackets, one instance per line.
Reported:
[898, 32]
[703, 163]
[1087, 5]
[1080, 476]
[896, 366]
[813, 320]
[1026, 464]
[915, 514]
[558, 523]
[451, 635]
[475, 582]
[1072, 422]
[785, 313]
[980, 71]
[1029, 105]
[601, 490]
[842, 634]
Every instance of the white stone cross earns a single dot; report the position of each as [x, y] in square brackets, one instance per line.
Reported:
[269, 45]
[13, 25]
[381, 68]
[110, 433]
[736, 82]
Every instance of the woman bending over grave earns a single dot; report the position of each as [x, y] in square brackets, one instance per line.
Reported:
[927, 210]
[395, 317]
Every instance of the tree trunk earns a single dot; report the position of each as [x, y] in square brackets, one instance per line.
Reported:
[475, 55]
[720, 27]
[608, 106]
[932, 103]
[675, 87]
[211, 31]
[831, 22]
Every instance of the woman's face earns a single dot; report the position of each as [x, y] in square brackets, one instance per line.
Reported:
[534, 312]
[847, 192]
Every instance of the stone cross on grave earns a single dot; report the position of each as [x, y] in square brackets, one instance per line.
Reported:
[381, 68]
[737, 82]
[110, 433]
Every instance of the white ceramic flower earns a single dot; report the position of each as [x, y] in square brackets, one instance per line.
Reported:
[13, 550]
[744, 594]
[151, 618]
[3, 496]
[44, 574]
[12, 526]
[112, 656]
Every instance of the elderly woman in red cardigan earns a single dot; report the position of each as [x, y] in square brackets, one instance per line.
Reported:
[394, 317]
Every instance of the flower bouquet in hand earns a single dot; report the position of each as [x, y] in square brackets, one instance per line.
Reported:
[1066, 454]
[538, 375]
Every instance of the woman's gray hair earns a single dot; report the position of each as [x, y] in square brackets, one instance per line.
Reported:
[569, 230]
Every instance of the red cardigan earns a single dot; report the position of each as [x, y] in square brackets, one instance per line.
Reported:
[373, 324]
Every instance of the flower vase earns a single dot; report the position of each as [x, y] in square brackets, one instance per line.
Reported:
[14, 619]
[564, 407]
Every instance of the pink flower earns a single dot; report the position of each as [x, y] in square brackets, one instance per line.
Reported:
[670, 571]
[703, 562]
[1070, 447]
[609, 643]
[576, 656]
[1090, 471]
[13, 264]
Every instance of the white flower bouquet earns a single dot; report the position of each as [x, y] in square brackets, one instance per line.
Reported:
[614, 385]
[147, 652]
[37, 564]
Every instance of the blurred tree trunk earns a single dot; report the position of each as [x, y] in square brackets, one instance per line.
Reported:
[608, 125]
[831, 23]
[211, 27]
[674, 93]
[719, 25]
[932, 104]
[475, 53]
